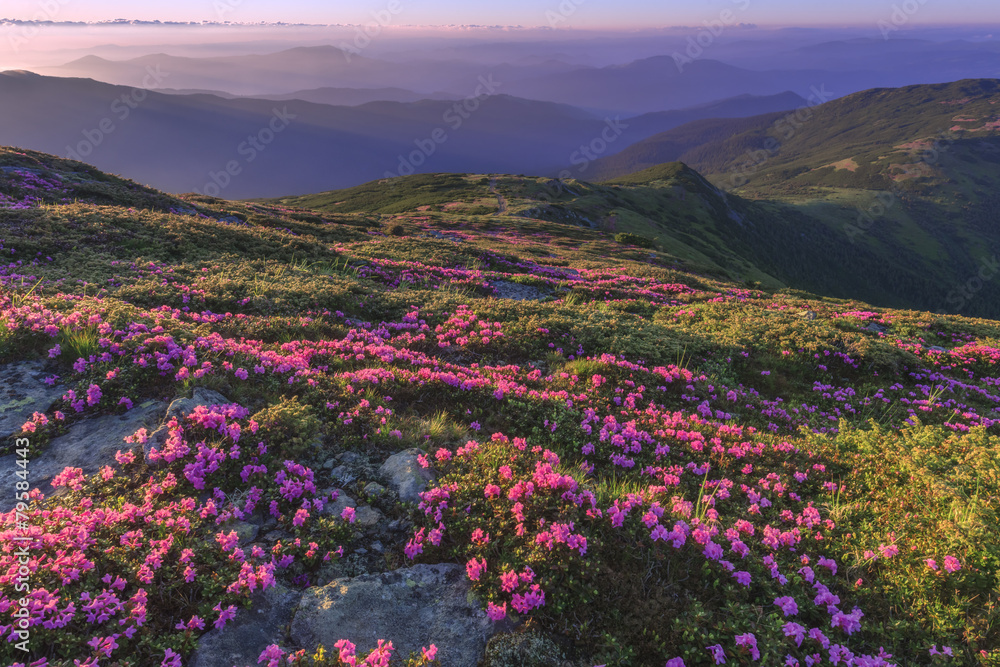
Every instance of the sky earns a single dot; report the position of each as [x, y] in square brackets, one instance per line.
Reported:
[584, 14]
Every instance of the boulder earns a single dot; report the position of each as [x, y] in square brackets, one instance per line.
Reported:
[367, 517]
[374, 489]
[245, 637]
[178, 408]
[412, 607]
[23, 393]
[336, 508]
[88, 445]
[504, 289]
[404, 475]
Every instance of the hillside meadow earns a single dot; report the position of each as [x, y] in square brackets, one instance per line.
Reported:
[635, 459]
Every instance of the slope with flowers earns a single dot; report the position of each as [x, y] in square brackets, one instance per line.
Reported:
[641, 465]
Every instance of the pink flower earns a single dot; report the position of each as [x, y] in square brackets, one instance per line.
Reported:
[348, 514]
[951, 564]
[475, 568]
[676, 662]
[171, 659]
[888, 550]
[225, 615]
[429, 653]
[71, 477]
[273, 654]
[496, 612]
[93, 395]
[931, 563]
[346, 649]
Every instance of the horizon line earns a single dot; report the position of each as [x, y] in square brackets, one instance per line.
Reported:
[4, 21]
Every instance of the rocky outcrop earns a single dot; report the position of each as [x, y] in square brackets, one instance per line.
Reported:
[180, 407]
[413, 607]
[88, 445]
[244, 638]
[404, 475]
[23, 393]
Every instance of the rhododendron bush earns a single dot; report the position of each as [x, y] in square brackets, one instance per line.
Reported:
[644, 464]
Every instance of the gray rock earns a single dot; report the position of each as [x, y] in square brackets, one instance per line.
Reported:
[88, 445]
[374, 489]
[367, 517]
[336, 507]
[342, 474]
[937, 348]
[404, 475]
[247, 532]
[179, 408]
[23, 393]
[412, 607]
[245, 637]
[517, 292]
[399, 525]
[277, 534]
[349, 457]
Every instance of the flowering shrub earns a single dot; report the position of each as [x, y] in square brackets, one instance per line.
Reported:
[659, 467]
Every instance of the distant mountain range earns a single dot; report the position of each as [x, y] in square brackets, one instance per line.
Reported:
[184, 143]
[674, 80]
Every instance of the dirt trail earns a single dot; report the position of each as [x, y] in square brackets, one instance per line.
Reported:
[501, 201]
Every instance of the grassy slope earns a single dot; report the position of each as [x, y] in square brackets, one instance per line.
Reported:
[905, 178]
[784, 397]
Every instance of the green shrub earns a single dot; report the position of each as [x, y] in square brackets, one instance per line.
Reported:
[634, 239]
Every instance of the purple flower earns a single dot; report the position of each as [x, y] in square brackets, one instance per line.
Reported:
[718, 654]
[795, 631]
[787, 605]
[749, 641]
[93, 395]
